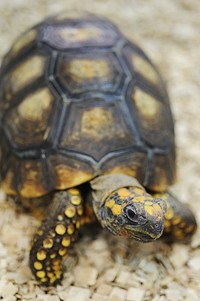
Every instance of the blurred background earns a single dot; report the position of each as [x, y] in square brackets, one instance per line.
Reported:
[169, 32]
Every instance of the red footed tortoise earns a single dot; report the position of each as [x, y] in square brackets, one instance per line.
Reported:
[85, 120]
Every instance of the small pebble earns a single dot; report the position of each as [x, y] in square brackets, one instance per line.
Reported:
[135, 294]
[7, 289]
[192, 295]
[117, 294]
[47, 297]
[123, 277]
[9, 298]
[104, 289]
[194, 263]
[174, 295]
[98, 297]
[77, 294]
[85, 276]
[179, 255]
[110, 274]
[2, 196]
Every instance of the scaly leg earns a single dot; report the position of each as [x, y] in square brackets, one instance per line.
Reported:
[56, 235]
[180, 223]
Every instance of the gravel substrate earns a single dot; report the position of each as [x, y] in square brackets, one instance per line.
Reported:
[169, 31]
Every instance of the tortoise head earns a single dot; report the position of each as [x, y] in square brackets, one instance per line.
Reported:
[131, 212]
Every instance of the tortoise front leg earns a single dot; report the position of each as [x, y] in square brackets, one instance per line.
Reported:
[56, 235]
[180, 223]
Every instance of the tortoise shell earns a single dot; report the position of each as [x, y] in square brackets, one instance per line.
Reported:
[77, 99]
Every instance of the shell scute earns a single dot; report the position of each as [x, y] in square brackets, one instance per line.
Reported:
[31, 119]
[81, 73]
[78, 33]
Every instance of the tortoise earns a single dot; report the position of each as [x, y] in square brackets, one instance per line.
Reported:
[86, 129]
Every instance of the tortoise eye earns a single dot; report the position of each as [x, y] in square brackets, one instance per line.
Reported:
[131, 215]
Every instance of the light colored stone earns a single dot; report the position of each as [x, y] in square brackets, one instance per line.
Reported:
[47, 297]
[7, 289]
[3, 251]
[179, 255]
[192, 295]
[123, 278]
[2, 196]
[174, 295]
[9, 298]
[135, 294]
[104, 289]
[110, 274]
[85, 276]
[77, 294]
[98, 297]
[194, 263]
[117, 294]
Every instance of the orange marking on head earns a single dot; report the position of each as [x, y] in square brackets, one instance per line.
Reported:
[141, 199]
[117, 210]
[110, 203]
[123, 193]
[138, 190]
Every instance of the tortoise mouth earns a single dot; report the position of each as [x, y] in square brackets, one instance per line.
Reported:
[143, 235]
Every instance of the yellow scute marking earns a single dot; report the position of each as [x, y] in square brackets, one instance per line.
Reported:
[31, 189]
[69, 177]
[6, 184]
[96, 122]
[88, 69]
[145, 69]
[146, 104]
[80, 34]
[34, 106]
[23, 41]
[27, 72]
